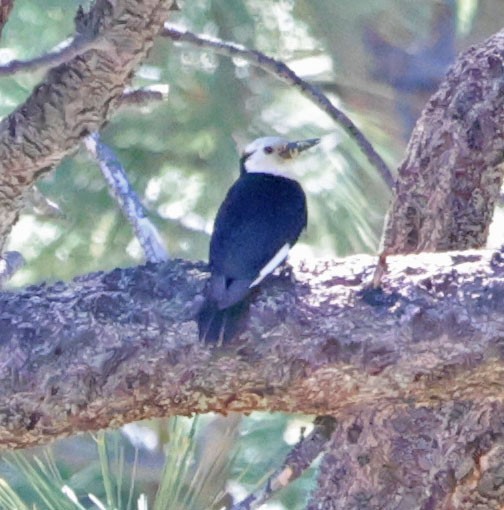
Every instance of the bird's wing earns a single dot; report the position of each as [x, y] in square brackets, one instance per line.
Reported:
[275, 261]
[261, 217]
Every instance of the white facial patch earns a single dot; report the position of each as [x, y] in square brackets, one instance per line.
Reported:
[263, 162]
[280, 256]
[260, 163]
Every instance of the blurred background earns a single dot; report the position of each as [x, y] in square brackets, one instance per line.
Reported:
[378, 61]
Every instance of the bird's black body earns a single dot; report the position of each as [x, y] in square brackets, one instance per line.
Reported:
[259, 216]
[261, 213]
[260, 219]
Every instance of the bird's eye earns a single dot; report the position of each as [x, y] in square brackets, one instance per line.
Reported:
[268, 149]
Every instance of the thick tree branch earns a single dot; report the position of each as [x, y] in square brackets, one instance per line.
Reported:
[76, 97]
[451, 176]
[424, 455]
[109, 348]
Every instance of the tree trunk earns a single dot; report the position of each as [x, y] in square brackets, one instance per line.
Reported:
[436, 453]
[451, 177]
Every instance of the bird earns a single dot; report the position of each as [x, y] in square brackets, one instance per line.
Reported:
[259, 221]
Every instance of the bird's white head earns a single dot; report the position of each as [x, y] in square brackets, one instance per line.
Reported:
[272, 154]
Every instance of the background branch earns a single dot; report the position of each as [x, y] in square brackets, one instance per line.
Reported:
[10, 262]
[144, 95]
[5, 9]
[67, 51]
[297, 461]
[282, 71]
[127, 199]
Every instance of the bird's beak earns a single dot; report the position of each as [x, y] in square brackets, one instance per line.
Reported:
[292, 149]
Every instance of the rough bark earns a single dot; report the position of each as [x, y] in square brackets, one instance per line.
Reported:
[76, 98]
[452, 173]
[109, 348]
[424, 455]
[445, 454]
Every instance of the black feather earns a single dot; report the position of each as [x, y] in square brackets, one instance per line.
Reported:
[221, 325]
[260, 214]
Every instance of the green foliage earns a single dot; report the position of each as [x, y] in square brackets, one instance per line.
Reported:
[46, 487]
[44, 481]
[111, 482]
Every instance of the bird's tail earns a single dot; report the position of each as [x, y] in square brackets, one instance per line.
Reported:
[220, 326]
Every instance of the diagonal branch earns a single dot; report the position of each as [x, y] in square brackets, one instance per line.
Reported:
[127, 199]
[66, 52]
[282, 71]
[297, 461]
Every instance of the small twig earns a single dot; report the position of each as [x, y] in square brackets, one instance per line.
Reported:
[296, 462]
[286, 74]
[41, 205]
[10, 262]
[143, 95]
[77, 46]
[128, 201]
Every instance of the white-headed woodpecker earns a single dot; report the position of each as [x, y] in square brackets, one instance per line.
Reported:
[261, 218]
